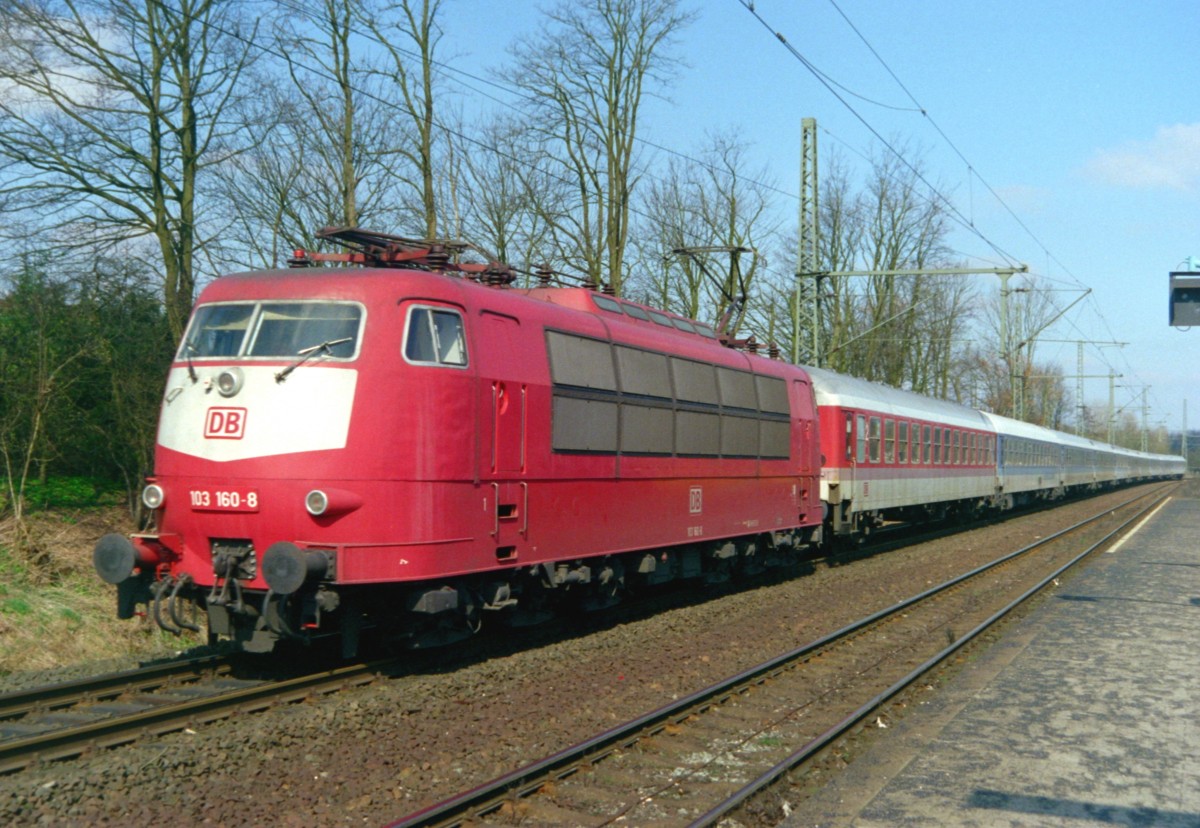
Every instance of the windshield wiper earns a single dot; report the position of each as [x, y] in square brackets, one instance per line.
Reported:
[189, 348]
[308, 353]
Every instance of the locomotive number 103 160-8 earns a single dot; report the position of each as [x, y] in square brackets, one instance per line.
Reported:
[228, 500]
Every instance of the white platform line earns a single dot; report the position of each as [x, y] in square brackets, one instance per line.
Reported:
[1135, 529]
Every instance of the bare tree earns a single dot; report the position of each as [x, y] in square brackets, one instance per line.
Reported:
[668, 281]
[707, 224]
[501, 174]
[586, 74]
[326, 151]
[111, 110]
[842, 227]
[409, 33]
[1017, 384]
[900, 330]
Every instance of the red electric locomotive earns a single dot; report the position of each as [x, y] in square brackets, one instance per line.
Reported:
[401, 448]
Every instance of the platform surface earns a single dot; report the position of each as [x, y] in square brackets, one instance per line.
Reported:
[1087, 713]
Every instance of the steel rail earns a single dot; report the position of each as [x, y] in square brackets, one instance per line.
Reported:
[490, 796]
[16, 755]
[18, 703]
[850, 722]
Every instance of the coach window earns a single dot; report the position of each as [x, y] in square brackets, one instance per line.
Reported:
[849, 436]
[435, 337]
[873, 439]
[957, 447]
[937, 445]
[861, 435]
[926, 455]
[889, 441]
[902, 443]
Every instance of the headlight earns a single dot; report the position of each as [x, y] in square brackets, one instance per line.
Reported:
[316, 502]
[152, 496]
[331, 503]
[229, 382]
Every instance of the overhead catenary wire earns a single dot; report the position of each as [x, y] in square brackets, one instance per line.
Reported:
[972, 168]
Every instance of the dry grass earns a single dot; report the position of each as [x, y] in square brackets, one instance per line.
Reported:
[54, 610]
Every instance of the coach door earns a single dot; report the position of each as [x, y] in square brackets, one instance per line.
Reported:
[503, 428]
[856, 453]
[505, 394]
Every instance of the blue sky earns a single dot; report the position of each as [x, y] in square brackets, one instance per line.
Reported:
[1084, 117]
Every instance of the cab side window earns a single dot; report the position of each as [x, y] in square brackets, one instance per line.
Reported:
[435, 337]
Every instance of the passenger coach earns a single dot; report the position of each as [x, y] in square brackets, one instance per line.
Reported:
[894, 455]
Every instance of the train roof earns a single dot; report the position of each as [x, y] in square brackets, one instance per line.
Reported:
[370, 250]
[1018, 428]
[835, 389]
[620, 319]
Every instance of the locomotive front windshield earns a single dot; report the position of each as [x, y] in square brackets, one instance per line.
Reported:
[273, 329]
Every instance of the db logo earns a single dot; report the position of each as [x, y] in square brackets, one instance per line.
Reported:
[225, 424]
[695, 500]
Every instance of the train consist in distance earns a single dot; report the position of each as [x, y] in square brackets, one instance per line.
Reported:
[401, 446]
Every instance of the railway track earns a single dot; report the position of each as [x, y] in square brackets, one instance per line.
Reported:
[61, 721]
[699, 759]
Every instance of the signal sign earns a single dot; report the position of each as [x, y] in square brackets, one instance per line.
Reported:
[1185, 299]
